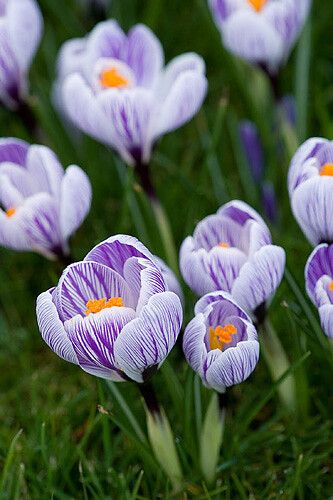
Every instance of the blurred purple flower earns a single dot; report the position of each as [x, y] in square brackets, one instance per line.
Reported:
[115, 88]
[260, 31]
[232, 251]
[319, 284]
[42, 204]
[111, 313]
[220, 343]
[253, 149]
[269, 201]
[288, 108]
[310, 184]
[20, 33]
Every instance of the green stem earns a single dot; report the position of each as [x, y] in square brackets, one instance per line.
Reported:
[277, 363]
[166, 234]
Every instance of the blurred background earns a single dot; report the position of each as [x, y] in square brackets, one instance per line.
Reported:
[59, 427]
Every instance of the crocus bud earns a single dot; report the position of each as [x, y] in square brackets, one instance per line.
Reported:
[220, 343]
[269, 201]
[20, 33]
[116, 88]
[253, 149]
[310, 184]
[42, 205]
[260, 31]
[319, 284]
[112, 314]
[232, 251]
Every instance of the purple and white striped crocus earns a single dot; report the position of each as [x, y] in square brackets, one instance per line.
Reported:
[115, 88]
[21, 26]
[220, 343]
[310, 184]
[260, 31]
[112, 313]
[319, 284]
[41, 204]
[232, 251]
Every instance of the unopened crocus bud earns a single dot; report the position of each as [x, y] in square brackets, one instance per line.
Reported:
[253, 149]
[269, 201]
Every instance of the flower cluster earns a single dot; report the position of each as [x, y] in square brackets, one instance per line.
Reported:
[310, 184]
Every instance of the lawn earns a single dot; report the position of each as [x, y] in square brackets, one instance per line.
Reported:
[65, 434]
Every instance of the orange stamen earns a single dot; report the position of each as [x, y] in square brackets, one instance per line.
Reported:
[327, 169]
[257, 4]
[330, 286]
[112, 78]
[95, 306]
[220, 336]
[10, 212]
[224, 244]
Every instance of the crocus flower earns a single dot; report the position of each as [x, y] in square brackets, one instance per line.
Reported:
[260, 31]
[310, 184]
[112, 313]
[41, 204]
[220, 343]
[232, 251]
[20, 33]
[319, 284]
[115, 88]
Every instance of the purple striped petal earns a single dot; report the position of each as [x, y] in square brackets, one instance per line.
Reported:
[144, 55]
[71, 57]
[93, 339]
[259, 277]
[45, 170]
[130, 113]
[326, 319]
[183, 101]
[192, 265]
[319, 264]
[25, 26]
[224, 265]
[312, 205]
[300, 168]
[147, 340]
[12, 231]
[75, 200]
[194, 347]
[86, 281]
[52, 329]
[230, 307]
[107, 40]
[13, 150]
[115, 251]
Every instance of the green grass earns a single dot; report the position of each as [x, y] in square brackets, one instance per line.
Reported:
[67, 435]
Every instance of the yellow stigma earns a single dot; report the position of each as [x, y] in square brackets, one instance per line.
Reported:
[327, 169]
[257, 4]
[330, 286]
[112, 78]
[224, 244]
[95, 306]
[10, 212]
[220, 336]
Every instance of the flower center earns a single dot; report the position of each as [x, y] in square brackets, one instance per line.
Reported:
[10, 212]
[257, 4]
[220, 336]
[95, 306]
[327, 169]
[112, 78]
[330, 286]
[224, 244]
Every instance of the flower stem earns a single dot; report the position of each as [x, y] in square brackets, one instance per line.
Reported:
[160, 216]
[161, 436]
[212, 436]
[274, 79]
[277, 363]
[28, 118]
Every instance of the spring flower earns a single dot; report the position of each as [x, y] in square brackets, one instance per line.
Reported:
[232, 251]
[319, 284]
[220, 343]
[41, 204]
[115, 88]
[20, 33]
[112, 313]
[251, 142]
[260, 31]
[310, 184]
